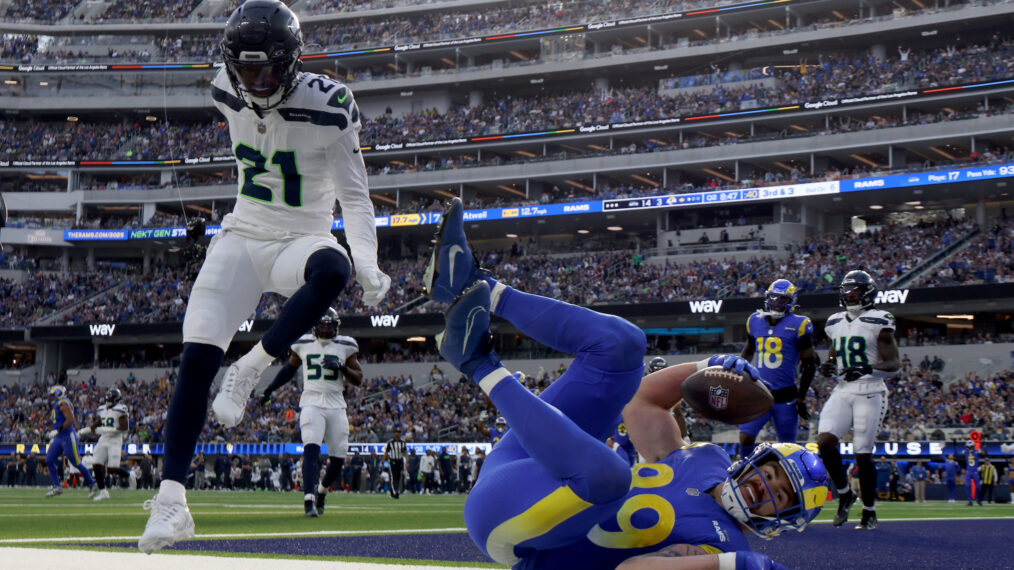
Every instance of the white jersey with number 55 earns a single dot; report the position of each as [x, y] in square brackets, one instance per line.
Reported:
[322, 387]
[855, 339]
[296, 160]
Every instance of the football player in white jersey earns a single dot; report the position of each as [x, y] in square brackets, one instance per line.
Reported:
[111, 425]
[328, 361]
[864, 350]
[296, 140]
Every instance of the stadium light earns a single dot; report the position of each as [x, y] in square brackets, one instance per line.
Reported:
[615, 228]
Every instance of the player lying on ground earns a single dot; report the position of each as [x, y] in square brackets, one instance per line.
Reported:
[552, 494]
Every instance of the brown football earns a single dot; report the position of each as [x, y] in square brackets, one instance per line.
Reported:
[726, 396]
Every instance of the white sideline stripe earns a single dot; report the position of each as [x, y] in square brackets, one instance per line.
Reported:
[42, 559]
[76, 513]
[240, 535]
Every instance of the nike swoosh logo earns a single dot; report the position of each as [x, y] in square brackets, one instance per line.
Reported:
[455, 250]
[355, 150]
[469, 323]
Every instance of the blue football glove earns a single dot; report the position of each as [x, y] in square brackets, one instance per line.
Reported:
[736, 363]
[756, 561]
[334, 364]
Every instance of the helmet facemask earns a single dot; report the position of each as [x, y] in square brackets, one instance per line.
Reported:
[750, 498]
[852, 298]
[261, 50]
[777, 306]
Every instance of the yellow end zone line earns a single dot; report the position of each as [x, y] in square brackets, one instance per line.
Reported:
[243, 535]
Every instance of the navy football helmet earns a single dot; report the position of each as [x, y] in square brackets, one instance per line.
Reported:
[805, 472]
[857, 291]
[780, 298]
[261, 49]
[113, 397]
[656, 364]
[327, 327]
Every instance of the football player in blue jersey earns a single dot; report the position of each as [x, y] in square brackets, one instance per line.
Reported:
[498, 430]
[973, 484]
[64, 441]
[552, 494]
[782, 341]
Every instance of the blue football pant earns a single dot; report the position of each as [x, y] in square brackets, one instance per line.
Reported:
[786, 421]
[552, 478]
[65, 444]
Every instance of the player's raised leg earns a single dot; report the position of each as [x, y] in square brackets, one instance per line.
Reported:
[225, 293]
[544, 490]
[325, 274]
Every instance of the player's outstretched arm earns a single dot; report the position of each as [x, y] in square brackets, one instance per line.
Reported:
[652, 428]
[692, 557]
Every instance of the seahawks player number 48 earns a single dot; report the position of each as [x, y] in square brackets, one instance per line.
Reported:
[863, 355]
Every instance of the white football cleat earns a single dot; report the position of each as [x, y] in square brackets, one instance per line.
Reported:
[230, 403]
[54, 491]
[102, 496]
[169, 522]
[93, 490]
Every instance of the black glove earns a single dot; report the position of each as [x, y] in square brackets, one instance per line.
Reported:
[829, 368]
[265, 399]
[853, 373]
[334, 364]
[801, 409]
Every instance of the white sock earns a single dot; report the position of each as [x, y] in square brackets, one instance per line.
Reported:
[843, 490]
[494, 296]
[490, 381]
[172, 490]
[310, 497]
[257, 358]
[321, 489]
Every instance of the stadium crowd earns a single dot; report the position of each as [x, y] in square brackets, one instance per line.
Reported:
[836, 76]
[585, 278]
[433, 25]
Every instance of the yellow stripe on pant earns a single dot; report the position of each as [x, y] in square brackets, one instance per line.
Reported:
[535, 521]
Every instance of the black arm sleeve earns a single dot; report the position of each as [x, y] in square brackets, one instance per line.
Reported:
[807, 370]
[284, 375]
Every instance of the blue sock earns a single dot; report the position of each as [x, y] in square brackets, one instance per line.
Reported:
[604, 342]
[326, 274]
[591, 469]
[311, 467]
[188, 408]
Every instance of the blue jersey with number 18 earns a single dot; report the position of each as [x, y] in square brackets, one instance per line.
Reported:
[776, 346]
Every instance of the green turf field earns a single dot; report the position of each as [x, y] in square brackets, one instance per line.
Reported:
[27, 518]
[27, 513]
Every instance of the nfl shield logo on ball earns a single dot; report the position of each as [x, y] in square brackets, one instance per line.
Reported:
[718, 397]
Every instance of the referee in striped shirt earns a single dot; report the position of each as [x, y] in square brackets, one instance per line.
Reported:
[394, 454]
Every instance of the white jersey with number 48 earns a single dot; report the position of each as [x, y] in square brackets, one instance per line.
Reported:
[322, 387]
[109, 417]
[855, 339]
[296, 160]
